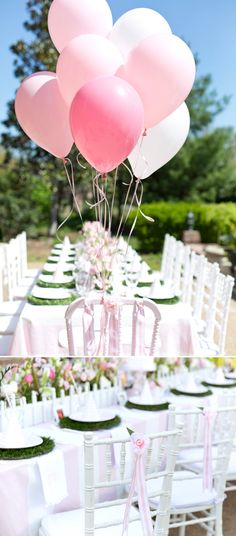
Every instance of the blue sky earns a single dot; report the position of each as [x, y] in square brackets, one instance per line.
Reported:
[208, 25]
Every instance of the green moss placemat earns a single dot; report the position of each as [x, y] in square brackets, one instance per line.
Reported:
[43, 284]
[50, 261]
[147, 407]
[46, 272]
[41, 301]
[69, 255]
[220, 385]
[81, 426]
[30, 452]
[141, 284]
[162, 301]
[177, 392]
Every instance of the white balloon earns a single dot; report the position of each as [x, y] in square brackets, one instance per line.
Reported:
[161, 143]
[136, 25]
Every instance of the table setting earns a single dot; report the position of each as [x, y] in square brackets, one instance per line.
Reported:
[41, 455]
[98, 266]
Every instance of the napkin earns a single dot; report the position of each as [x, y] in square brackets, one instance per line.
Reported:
[13, 436]
[146, 395]
[155, 288]
[144, 270]
[90, 411]
[190, 385]
[220, 378]
[58, 274]
[66, 242]
[53, 477]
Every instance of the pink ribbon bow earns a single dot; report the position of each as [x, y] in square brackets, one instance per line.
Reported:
[138, 342]
[88, 330]
[207, 459]
[140, 444]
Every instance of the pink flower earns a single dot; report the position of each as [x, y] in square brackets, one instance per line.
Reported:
[52, 374]
[28, 378]
[83, 376]
[140, 443]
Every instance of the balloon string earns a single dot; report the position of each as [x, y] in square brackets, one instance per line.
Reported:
[126, 201]
[113, 196]
[71, 181]
[78, 161]
[100, 197]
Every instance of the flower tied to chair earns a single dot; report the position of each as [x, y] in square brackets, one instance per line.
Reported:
[88, 330]
[139, 443]
[110, 328]
[138, 341]
[207, 459]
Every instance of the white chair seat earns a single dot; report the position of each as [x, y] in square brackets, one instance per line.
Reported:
[5, 344]
[8, 324]
[11, 308]
[186, 493]
[72, 523]
[190, 454]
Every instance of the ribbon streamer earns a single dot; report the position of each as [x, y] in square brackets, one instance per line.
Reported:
[88, 330]
[139, 444]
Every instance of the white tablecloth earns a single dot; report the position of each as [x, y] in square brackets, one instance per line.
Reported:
[38, 330]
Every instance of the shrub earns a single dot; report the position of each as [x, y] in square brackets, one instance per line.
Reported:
[212, 220]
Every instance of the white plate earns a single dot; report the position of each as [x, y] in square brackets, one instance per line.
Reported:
[60, 246]
[49, 279]
[136, 400]
[29, 441]
[50, 293]
[163, 294]
[105, 415]
[52, 267]
[57, 252]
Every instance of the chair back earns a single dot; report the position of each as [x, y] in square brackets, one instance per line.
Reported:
[115, 479]
[218, 311]
[123, 327]
[222, 432]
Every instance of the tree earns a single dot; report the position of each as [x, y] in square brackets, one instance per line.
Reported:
[36, 55]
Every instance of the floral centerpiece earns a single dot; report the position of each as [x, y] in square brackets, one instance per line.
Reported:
[41, 375]
[99, 249]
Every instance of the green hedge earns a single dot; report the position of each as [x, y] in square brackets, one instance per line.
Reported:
[212, 220]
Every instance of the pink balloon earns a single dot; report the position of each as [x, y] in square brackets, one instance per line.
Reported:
[43, 114]
[162, 70]
[69, 18]
[106, 121]
[86, 57]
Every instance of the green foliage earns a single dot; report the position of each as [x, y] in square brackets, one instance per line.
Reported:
[24, 201]
[212, 220]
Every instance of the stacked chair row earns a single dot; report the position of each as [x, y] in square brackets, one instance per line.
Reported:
[175, 473]
[203, 287]
[15, 282]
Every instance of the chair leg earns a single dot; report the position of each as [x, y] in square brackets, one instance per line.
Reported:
[182, 529]
[219, 519]
[210, 527]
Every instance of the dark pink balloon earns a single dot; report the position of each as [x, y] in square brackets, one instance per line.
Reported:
[106, 120]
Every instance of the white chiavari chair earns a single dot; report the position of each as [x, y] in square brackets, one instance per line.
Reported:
[213, 335]
[100, 518]
[191, 504]
[127, 326]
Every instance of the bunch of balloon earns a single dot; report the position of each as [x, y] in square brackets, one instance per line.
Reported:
[112, 84]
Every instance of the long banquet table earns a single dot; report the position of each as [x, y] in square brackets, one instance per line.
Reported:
[39, 326]
[23, 502]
